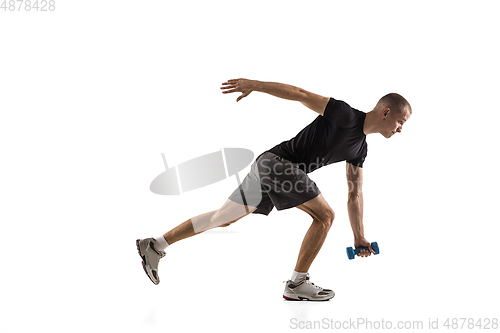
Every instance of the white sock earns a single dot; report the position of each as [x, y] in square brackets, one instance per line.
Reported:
[161, 243]
[297, 276]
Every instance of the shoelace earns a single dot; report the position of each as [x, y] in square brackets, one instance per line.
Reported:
[310, 283]
[160, 253]
[307, 280]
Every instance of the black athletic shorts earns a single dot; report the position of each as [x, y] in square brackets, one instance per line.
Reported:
[274, 181]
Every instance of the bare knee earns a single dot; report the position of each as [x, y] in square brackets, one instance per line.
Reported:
[217, 219]
[326, 217]
[223, 218]
[229, 213]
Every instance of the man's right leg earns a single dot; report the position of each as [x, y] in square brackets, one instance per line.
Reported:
[151, 250]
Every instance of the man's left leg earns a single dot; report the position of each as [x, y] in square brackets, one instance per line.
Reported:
[300, 288]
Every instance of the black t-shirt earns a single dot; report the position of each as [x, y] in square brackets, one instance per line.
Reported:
[336, 136]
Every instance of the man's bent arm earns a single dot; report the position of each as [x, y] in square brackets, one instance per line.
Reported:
[313, 101]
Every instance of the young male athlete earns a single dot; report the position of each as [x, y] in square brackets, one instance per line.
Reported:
[278, 178]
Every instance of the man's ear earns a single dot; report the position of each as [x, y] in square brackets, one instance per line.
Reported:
[386, 112]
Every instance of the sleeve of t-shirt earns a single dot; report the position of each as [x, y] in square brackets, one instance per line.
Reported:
[339, 112]
[357, 162]
[360, 159]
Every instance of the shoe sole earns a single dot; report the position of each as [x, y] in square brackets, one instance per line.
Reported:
[143, 263]
[306, 299]
[293, 299]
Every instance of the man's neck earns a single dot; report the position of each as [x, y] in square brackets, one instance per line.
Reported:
[369, 127]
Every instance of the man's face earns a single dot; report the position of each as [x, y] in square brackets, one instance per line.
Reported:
[394, 121]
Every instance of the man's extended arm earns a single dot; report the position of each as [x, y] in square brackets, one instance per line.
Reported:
[355, 207]
[313, 101]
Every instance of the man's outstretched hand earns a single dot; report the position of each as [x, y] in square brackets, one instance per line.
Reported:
[243, 86]
[361, 242]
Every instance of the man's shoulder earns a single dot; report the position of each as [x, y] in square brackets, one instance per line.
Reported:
[340, 111]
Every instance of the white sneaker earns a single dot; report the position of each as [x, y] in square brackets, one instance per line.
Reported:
[305, 290]
[150, 257]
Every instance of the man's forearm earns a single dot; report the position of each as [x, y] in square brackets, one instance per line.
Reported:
[355, 210]
[280, 90]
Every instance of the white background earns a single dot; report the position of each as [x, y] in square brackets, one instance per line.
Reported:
[92, 93]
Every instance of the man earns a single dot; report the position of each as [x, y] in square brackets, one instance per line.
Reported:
[278, 178]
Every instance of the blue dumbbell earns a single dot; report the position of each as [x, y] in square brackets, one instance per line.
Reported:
[351, 254]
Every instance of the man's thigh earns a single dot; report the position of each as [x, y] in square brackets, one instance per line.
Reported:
[285, 182]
